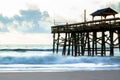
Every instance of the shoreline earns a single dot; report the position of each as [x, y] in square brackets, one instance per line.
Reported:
[73, 75]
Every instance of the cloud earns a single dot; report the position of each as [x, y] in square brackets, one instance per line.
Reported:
[30, 21]
[3, 27]
[4, 20]
[114, 5]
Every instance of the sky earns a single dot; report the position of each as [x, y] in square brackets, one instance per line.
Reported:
[23, 20]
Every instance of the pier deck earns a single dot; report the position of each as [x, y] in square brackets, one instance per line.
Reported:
[96, 25]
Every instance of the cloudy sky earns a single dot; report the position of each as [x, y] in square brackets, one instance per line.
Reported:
[36, 16]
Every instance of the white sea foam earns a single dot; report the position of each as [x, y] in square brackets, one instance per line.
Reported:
[46, 61]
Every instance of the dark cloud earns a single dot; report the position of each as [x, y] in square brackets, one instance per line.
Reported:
[32, 21]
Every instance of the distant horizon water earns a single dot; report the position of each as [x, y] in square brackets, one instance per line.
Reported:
[18, 38]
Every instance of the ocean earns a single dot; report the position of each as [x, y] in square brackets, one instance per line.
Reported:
[40, 58]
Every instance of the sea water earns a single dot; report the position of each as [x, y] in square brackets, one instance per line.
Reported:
[40, 58]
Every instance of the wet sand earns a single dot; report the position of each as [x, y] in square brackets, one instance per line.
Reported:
[77, 75]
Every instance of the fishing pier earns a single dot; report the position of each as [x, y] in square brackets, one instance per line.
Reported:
[92, 38]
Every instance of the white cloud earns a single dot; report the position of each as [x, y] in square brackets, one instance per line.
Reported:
[31, 21]
[69, 9]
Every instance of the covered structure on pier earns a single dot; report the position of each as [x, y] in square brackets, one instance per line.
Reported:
[104, 13]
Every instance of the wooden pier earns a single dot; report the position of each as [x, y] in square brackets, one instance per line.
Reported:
[96, 37]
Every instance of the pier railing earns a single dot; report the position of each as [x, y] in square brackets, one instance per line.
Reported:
[97, 25]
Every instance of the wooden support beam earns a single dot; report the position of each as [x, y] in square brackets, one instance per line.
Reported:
[119, 39]
[111, 43]
[96, 43]
[58, 37]
[69, 43]
[89, 51]
[53, 42]
[72, 43]
[75, 38]
[82, 44]
[85, 41]
[64, 46]
[103, 44]
[78, 38]
[93, 43]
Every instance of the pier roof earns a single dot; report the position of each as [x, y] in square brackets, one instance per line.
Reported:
[104, 12]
